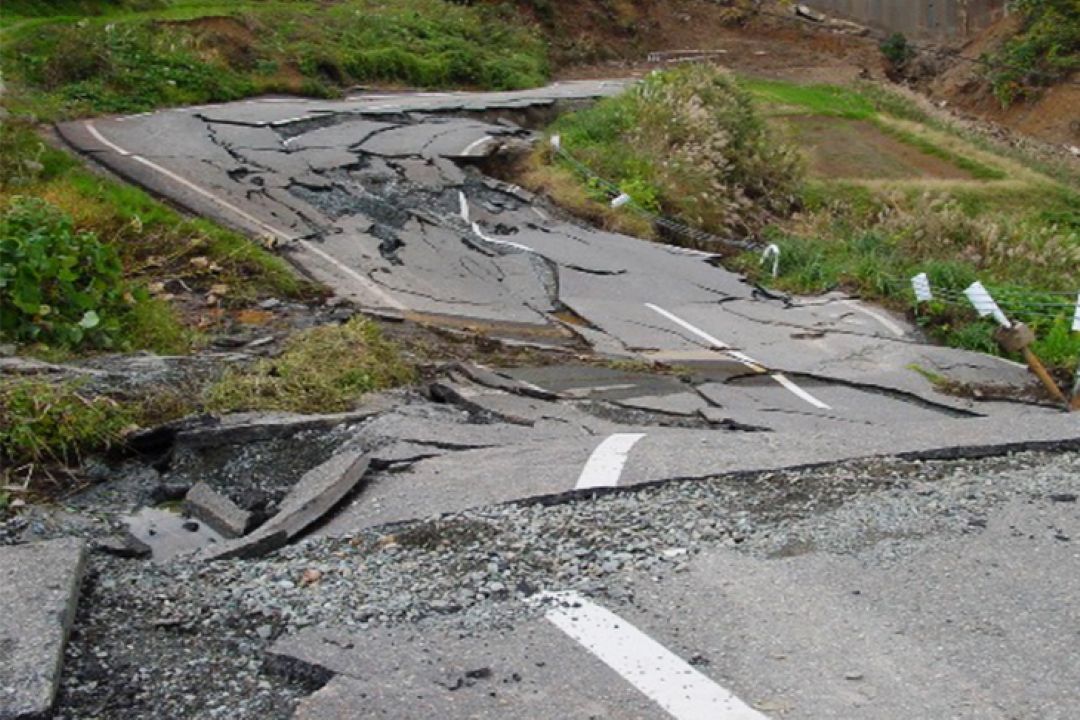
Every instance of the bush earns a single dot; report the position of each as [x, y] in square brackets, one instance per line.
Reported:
[1046, 50]
[897, 50]
[57, 285]
[689, 143]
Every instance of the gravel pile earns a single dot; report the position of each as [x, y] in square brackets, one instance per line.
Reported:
[186, 640]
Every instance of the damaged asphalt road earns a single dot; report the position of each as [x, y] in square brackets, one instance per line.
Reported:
[791, 525]
[379, 196]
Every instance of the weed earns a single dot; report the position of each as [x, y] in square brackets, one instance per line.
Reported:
[687, 142]
[324, 369]
[47, 423]
[127, 62]
[57, 285]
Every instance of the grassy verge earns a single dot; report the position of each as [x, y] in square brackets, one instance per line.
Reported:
[1006, 223]
[140, 55]
[148, 239]
[685, 143]
[324, 369]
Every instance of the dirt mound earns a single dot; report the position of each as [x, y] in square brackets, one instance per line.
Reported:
[1053, 117]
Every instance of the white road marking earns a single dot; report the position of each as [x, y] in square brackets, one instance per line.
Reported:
[366, 284]
[783, 380]
[605, 465]
[464, 206]
[540, 213]
[662, 676]
[589, 390]
[476, 143]
[508, 243]
[740, 356]
[880, 317]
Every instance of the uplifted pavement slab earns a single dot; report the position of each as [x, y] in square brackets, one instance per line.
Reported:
[39, 591]
[320, 489]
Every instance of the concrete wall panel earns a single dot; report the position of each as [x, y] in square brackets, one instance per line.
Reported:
[919, 19]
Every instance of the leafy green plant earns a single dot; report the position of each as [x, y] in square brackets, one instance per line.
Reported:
[1046, 50]
[57, 285]
[897, 50]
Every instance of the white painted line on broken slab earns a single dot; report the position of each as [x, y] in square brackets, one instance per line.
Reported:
[798, 391]
[740, 356]
[476, 143]
[366, 284]
[880, 317]
[604, 467]
[665, 678]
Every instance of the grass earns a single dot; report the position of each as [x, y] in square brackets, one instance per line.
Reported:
[151, 239]
[687, 142]
[1011, 225]
[139, 55]
[324, 369]
[49, 423]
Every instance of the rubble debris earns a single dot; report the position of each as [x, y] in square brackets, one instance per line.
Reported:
[123, 546]
[169, 534]
[319, 490]
[39, 591]
[488, 378]
[252, 427]
[217, 511]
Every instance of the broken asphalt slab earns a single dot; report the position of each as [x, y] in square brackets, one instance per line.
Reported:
[319, 490]
[379, 216]
[39, 591]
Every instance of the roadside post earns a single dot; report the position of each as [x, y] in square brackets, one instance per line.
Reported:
[1013, 337]
[1074, 406]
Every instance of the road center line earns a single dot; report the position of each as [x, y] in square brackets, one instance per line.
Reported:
[366, 284]
[741, 357]
[605, 465]
[880, 317]
[662, 676]
[469, 148]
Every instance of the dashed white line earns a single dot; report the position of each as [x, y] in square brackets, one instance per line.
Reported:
[605, 465]
[366, 284]
[881, 318]
[665, 678]
[787, 383]
[476, 143]
[740, 356]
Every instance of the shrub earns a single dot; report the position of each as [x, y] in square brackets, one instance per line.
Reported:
[897, 50]
[57, 285]
[689, 143]
[1046, 50]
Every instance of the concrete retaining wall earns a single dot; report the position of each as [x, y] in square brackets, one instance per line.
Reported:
[918, 19]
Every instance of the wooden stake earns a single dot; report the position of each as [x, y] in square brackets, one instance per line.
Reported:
[1037, 367]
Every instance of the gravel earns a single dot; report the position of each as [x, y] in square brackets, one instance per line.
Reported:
[185, 640]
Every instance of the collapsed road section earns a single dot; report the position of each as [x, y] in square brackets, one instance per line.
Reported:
[379, 196]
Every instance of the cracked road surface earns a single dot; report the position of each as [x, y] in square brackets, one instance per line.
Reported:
[382, 198]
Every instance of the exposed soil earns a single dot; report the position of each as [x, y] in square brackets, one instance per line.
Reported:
[841, 148]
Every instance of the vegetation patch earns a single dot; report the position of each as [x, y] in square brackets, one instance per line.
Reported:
[686, 143]
[80, 258]
[45, 423]
[1045, 51]
[127, 61]
[324, 369]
